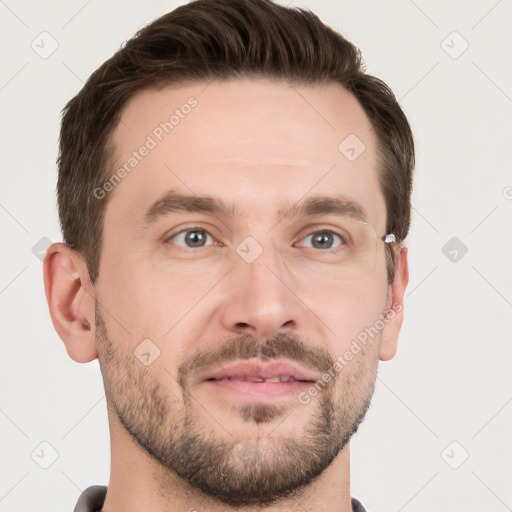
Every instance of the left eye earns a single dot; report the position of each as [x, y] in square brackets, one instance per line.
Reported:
[324, 239]
[191, 238]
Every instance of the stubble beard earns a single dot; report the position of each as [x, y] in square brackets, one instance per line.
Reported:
[234, 471]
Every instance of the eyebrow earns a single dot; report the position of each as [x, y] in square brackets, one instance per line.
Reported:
[176, 202]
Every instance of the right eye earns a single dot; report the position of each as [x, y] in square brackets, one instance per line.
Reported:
[191, 238]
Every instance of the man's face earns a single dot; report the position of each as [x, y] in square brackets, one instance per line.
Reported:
[244, 293]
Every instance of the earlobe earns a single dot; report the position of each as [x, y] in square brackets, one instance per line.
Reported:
[71, 301]
[395, 307]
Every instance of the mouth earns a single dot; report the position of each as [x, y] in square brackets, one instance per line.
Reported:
[249, 378]
[258, 381]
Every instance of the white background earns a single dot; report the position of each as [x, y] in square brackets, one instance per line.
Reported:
[451, 379]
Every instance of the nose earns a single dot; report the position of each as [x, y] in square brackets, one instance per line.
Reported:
[260, 300]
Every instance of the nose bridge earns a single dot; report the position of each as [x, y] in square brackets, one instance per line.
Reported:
[265, 275]
[259, 298]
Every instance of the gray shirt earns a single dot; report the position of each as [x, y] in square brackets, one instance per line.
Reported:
[92, 499]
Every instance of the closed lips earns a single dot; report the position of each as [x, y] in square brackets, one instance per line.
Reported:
[257, 371]
[281, 378]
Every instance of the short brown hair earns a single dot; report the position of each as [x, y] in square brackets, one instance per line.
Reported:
[204, 40]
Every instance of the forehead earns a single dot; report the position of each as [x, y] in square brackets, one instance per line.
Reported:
[258, 143]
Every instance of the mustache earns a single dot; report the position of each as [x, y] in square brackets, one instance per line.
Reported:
[279, 346]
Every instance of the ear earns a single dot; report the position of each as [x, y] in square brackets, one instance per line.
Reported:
[70, 298]
[395, 307]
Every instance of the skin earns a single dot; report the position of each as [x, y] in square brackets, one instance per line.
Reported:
[263, 146]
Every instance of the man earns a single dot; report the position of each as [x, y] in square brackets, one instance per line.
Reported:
[234, 192]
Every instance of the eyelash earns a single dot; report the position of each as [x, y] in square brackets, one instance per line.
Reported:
[325, 231]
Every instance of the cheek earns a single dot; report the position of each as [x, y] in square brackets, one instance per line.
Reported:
[351, 312]
[147, 296]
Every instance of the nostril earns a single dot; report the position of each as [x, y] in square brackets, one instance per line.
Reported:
[241, 325]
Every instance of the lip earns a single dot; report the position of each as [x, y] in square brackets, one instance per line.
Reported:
[228, 380]
[262, 370]
[258, 392]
